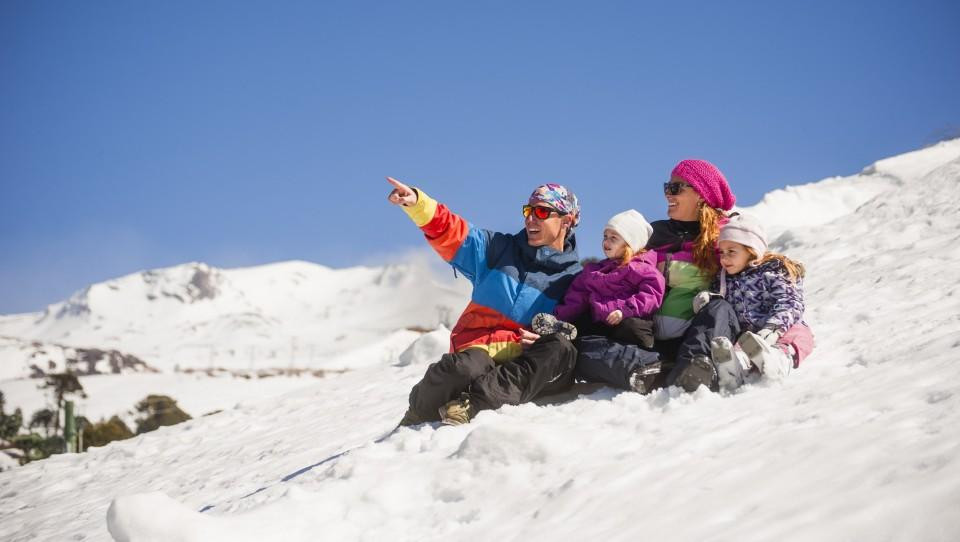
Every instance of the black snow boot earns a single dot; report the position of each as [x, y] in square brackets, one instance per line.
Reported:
[699, 372]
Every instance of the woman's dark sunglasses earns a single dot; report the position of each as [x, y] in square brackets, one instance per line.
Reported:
[542, 213]
[674, 188]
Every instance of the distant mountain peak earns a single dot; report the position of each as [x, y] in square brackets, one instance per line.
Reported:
[188, 283]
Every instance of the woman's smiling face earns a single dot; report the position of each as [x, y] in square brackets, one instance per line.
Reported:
[685, 205]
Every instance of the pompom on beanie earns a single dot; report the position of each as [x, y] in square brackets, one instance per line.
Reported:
[634, 229]
[708, 181]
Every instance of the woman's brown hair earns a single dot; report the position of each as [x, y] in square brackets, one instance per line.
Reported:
[705, 245]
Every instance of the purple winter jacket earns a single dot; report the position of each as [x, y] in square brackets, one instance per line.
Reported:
[764, 296]
[636, 289]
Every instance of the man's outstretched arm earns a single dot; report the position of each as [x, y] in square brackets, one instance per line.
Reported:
[402, 194]
[455, 240]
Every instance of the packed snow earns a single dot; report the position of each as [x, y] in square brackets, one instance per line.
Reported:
[861, 443]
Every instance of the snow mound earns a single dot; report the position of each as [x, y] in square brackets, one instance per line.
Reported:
[509, 445]
[155, 517]
[426, 349]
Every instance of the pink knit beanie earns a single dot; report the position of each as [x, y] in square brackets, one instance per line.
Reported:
[708, 181]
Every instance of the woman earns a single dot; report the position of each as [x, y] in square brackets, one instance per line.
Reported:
[698, 197]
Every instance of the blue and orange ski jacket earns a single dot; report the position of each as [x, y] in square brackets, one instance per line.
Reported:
[512, 281]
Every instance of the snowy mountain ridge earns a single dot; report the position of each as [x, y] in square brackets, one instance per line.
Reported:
[861, 443]
[288, 314]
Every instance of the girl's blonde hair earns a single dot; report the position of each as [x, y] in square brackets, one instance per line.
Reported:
[629, 254]
[705, 245]
[795, 269]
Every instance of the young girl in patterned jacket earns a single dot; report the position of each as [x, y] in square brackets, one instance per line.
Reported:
[766, 292]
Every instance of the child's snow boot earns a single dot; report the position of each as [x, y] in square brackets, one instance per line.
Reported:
[773, 361]
[731, 363]
[545, 323]
[699, 372]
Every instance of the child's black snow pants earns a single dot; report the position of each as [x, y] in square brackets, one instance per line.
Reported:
[604, 360]
[716, 319]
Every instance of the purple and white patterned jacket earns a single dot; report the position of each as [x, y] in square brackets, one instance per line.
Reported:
[764, 296]
[635, 289]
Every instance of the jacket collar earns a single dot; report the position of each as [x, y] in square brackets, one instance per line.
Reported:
[547, 258]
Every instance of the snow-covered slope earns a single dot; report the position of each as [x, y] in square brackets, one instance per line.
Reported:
[823, 201]
[289, 314]
[861, 443]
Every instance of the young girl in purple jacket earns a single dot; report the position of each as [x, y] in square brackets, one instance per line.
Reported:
[615, 297]
[766, 292]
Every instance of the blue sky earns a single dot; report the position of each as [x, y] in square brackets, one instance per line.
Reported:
[136, 135]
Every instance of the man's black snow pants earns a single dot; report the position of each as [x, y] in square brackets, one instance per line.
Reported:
[544, 368]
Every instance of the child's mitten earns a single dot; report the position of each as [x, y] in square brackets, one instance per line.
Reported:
[700, 300]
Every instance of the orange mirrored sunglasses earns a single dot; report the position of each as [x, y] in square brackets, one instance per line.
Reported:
[540, 212]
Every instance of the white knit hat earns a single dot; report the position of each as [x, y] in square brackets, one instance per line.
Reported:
[634, 229]
[747, 231]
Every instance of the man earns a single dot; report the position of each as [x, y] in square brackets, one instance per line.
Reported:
[494, 360]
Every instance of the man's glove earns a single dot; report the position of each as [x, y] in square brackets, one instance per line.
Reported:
[700, 300]
[770, 335]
